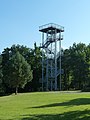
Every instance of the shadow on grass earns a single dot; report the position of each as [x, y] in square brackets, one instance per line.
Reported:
[79, 101]
[74, 115]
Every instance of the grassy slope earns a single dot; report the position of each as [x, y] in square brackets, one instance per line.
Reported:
[45, 106]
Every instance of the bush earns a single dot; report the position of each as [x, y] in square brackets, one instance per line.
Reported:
[2, 90]
[86, 89]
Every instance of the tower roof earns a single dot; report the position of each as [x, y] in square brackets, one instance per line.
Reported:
[51, 27]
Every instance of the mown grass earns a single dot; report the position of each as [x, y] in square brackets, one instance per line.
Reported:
[45, 106]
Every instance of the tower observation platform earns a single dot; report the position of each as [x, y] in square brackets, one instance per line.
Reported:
[51, 56]
[51, 27]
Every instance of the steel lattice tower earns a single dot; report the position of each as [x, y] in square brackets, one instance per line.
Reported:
[51, 55]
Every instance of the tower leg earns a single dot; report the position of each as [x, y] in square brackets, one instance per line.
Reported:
[60, 58]
[42, 61]
[55, 62]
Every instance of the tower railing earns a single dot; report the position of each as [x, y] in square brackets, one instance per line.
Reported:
[51, 25]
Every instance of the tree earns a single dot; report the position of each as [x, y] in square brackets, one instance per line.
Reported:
[33, 58]
[66, 65]
[79, 65]
[76, 66]
[35, 61]
[87, 60]
[0, 69]
[19, 71]
[1, 75]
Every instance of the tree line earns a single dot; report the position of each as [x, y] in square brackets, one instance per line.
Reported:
[76, 65]
[20, 68]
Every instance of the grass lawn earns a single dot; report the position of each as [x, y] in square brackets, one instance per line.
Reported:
[45, 106]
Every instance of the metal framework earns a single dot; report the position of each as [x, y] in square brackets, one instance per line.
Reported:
[51, 56]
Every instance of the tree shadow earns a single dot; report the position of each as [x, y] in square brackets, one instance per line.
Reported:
[74, 115]
[78, 101]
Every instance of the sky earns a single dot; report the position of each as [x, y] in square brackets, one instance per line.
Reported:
[20, 21]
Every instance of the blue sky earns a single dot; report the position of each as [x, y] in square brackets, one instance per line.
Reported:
[20, 21]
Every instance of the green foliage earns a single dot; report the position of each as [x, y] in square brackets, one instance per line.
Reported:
[76, 64]
[16, 70]
[1, 75]
[21, 71]
[36, 66]
[33, 58]
[46, 106]
[1, 69]
[86, 89]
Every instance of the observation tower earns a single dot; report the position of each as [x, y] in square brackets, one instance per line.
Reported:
[51, 56]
